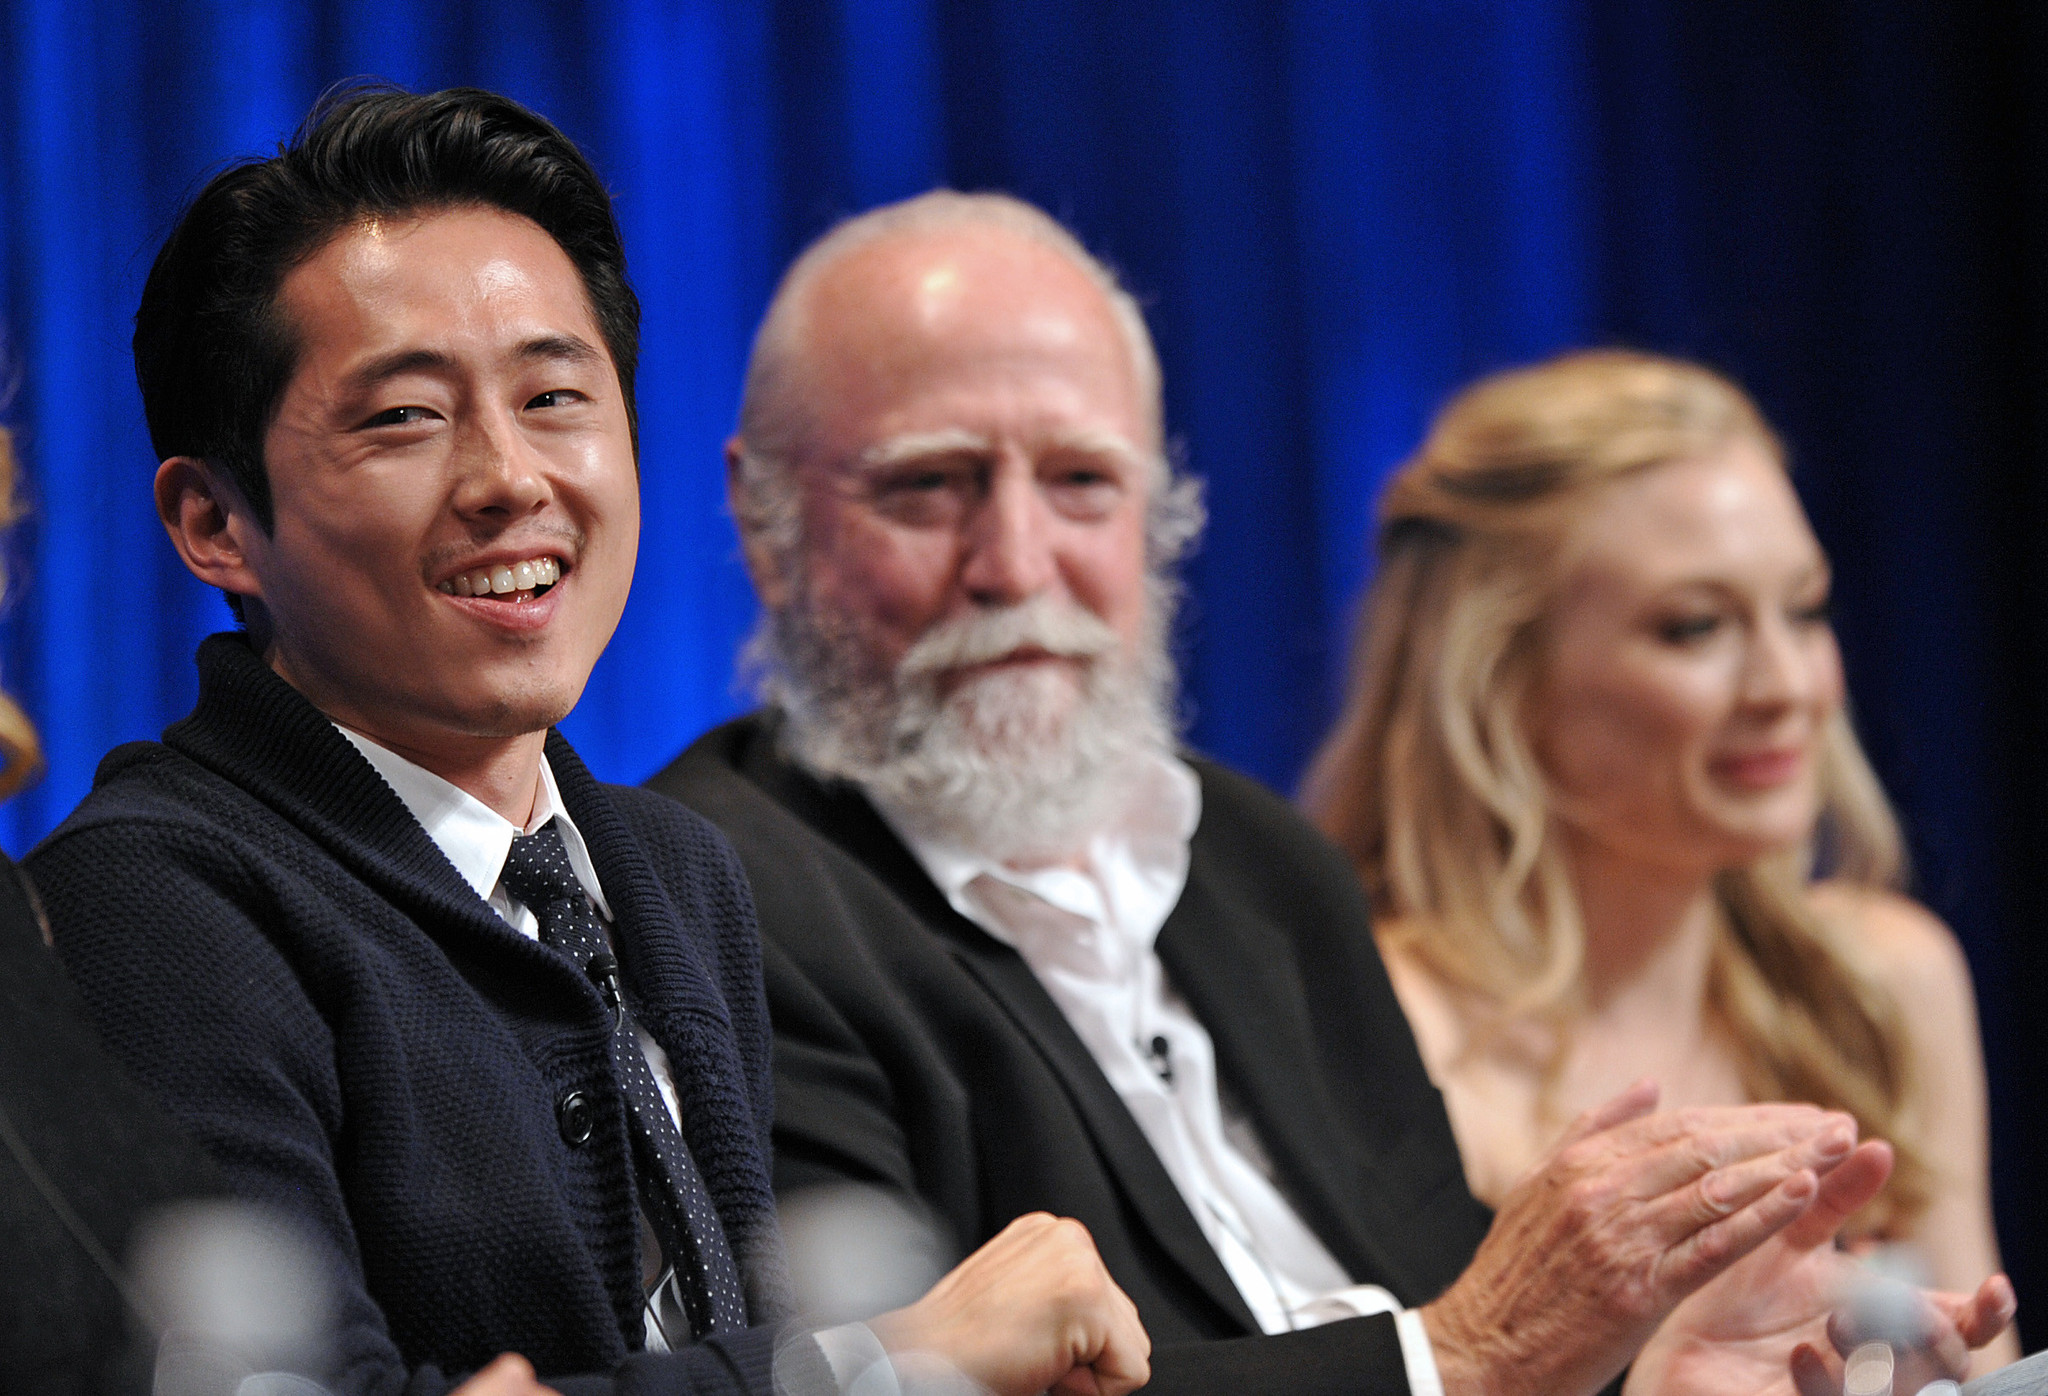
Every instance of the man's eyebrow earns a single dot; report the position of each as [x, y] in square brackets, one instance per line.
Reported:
[1099, 441]
[922, 445]
[560, 347]
[388, 366]
[553, 347]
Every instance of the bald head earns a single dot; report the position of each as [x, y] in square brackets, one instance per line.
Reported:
[907, 273]
[957, 509]
[773, 412]
[887, 334]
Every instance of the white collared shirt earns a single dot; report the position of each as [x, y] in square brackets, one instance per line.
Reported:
[1088, 929]
[476, 838]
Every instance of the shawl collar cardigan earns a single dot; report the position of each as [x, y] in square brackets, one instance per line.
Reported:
[916, 1052]
[273, 944]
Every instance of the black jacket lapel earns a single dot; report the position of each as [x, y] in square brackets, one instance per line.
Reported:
[843, 815]
[250, 725]
[1125, 1149]
[1275, 956]
[676, 997]
[1249, 1003]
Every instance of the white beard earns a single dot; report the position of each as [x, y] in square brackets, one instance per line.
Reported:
[1021, 762]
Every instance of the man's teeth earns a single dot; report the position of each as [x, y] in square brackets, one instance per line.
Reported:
[505, 579]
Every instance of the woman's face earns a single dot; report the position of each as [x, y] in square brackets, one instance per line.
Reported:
[1689, 670]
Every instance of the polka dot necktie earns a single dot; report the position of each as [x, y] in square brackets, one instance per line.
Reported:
[672, 1192]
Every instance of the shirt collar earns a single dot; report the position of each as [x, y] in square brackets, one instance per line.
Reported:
[472, 835]
[1129, 875]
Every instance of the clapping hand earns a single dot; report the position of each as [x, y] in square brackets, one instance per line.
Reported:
[1033, 1309]
[1770, 1325]
[1931, 1342]
[1628, 1215]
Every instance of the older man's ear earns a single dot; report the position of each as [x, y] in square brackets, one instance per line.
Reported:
[764, 560]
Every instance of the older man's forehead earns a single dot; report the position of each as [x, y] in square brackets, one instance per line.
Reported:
[954, 282]
[911, 446]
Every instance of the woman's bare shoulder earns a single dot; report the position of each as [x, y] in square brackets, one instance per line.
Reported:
[1917, 957]
[1914, 955]
[1454, 1025]
[1904, 944]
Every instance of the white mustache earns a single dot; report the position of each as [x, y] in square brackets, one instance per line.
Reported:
[1042, 623]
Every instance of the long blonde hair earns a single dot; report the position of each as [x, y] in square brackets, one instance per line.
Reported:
[1430, 782]
[21, 753]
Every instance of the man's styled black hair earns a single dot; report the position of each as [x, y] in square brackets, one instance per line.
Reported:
[213, 352]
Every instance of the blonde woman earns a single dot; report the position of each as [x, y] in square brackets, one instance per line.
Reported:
[1595, 749]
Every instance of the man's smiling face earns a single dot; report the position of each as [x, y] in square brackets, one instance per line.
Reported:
[456, 508]
[980, 442]
[968, 624]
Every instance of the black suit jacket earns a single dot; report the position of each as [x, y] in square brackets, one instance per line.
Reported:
[914, 1051]
[87, 1158]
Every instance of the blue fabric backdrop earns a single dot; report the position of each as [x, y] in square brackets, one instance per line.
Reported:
[1423, 169]
[1334, 212]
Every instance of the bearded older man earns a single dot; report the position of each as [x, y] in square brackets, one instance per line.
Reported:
[1023, 953]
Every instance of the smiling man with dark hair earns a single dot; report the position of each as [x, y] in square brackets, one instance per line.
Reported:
[492, 1031]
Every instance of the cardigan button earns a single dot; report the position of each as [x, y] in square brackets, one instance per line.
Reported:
[575, 1118]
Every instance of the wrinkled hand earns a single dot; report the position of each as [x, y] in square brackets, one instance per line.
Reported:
[1031, 1310]
[1753, 1331]
[510, 1375]
[1950, 1327]
[1627, 1216]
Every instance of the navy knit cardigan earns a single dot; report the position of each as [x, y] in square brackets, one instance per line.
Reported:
[269, 940]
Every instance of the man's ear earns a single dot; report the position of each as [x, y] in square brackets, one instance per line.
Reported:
[764, 565]
[210, 523]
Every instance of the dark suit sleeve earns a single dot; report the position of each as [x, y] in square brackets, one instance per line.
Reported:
[89, 1158]
[847, 1047]
[197, 1002]
[837, 1121]
[1356, 1357]
[742, 1364]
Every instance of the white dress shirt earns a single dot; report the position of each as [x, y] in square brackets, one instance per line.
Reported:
[476, 838]
[1087, 928]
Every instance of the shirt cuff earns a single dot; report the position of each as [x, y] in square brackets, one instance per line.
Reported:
[1358, 1301]
[859, 1362]
[1417, 1355]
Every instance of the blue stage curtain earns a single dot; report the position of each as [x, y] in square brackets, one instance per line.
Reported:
[1335, 214]
[1846, 206]
[112, 114]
